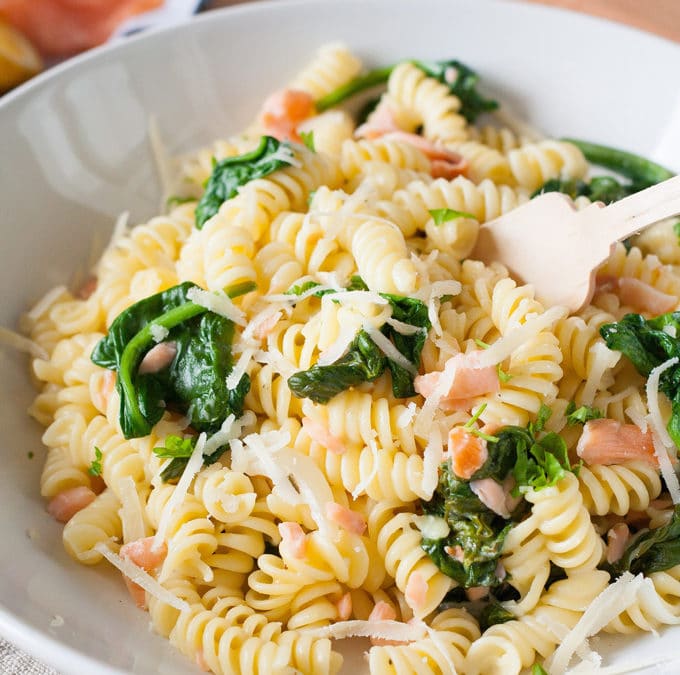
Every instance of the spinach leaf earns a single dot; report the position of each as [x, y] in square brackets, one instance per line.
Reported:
[459, 78]
[676, 230]
[462, 81]
[474, 528]
[364, 362]
[652, 550]
[194, 382]
[647, 346]
[494, 613]
[414, 313]
[232, 172]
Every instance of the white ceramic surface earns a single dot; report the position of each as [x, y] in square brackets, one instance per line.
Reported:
[74, 153]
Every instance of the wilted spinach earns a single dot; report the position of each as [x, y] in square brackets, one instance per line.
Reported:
[647, 345]
[651, 550]
[462, 81]
[194, 382]
[459, 78]
[232, 172]
[476, 529]
[364, 362]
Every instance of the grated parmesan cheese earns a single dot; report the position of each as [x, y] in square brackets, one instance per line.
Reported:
[404, 328]
[218, 303]
[239, 370]
[660, 437]
[338, 348]
[45, 303]
[363, 485]
[613, 600]
[388, 349]
[179, 493]
[137, 575]
[280, 365]
[406, 416]
[432, 458]
[22, 343]
[503, 348]
[386, 630]
[158, 332]
[131, 515]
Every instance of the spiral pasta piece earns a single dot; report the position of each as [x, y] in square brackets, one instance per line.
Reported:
[560, 515]
[399, 545]
[619, 488]
[534, 164]
[506, 648]
[485, 201]
[429, 102]
[97, 523]
[333, 66]
[442, 652]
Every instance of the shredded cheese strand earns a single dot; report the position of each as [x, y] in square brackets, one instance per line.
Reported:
[22, 343]
[177, 497]
[220, 304]
[141, 578]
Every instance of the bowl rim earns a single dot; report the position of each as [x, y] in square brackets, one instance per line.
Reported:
[41, 644]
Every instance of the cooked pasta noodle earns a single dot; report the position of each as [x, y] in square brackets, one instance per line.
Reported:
[340, 328]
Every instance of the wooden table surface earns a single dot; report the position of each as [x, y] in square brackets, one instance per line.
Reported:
[656, 16]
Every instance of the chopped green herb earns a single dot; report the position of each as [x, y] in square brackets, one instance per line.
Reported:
[469, 425]
[176, 446]
[502, 375]
[481, 344]
[582, 414]
[30, 454]
[538, 669]
[441, 216]
[242, 288]
[174, 200]
[95, 468]
[535, 462]
[231, 173]
[308, 139]
[676, 229]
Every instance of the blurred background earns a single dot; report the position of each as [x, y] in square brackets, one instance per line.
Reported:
[35, 34]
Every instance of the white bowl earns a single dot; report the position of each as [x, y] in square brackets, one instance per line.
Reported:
[75, 153]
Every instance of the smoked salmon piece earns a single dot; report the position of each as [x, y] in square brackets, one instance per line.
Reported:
[143, 554]
[66, 504]
[469, 380]
[607, 441]
[284, 110]
[467, 451]
[60, 28]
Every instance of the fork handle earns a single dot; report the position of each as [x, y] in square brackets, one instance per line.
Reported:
[634, 213]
